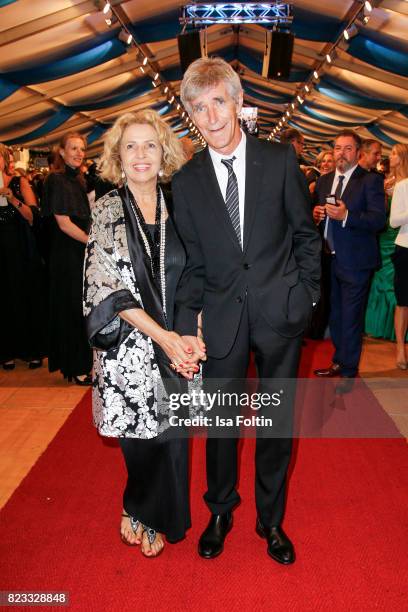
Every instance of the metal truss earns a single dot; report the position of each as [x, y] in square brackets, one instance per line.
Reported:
[201, 13]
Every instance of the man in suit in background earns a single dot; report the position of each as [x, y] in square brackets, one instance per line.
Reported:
[370, 154]
[351, 207]
[253, 263]
[295, 138]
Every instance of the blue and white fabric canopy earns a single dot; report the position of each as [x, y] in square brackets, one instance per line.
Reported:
[63, 68]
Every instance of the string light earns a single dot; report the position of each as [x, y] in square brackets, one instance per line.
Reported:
[106, 8]
[350, 32]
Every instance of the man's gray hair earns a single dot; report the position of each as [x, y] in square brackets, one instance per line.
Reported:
[205, 73]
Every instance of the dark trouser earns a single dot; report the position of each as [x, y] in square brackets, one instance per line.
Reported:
[349, 292]
[275, 357]
[156, 491]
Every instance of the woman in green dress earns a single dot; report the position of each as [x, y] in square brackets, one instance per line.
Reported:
[379, 320]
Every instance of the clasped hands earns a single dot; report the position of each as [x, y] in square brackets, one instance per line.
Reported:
[337, 212]
[184, 353]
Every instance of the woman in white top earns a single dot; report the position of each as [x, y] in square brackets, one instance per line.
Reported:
[399, 218]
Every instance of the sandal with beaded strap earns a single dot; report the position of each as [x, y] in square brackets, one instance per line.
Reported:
[151, 536]
[135, 524]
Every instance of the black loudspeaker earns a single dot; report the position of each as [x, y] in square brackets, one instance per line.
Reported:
[190, 48]
[278, 56]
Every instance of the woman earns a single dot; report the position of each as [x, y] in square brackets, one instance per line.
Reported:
[325, 164]
[133, 262]
[380, 311]
[22, 310]
[66, 203]
[320, 317]
[399, 218]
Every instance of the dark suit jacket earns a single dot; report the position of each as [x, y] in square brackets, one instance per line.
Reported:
[280, 260]
[356, 244]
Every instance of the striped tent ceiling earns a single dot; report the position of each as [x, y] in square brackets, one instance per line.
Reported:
[63, 68]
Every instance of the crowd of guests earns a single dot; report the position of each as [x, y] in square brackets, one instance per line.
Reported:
[44, 225]
[383, 308]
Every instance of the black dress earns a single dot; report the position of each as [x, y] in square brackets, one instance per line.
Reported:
[157, 487]
[69, 350]
[22, 278]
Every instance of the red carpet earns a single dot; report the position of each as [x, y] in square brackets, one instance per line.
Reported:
[347, 514]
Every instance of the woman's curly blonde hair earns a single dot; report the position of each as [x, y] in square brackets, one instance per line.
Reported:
[5, 153]
[110, 166]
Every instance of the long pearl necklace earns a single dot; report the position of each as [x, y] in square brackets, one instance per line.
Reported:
[143, 232]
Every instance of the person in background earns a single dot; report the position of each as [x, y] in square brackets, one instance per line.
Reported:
[66, 204]
[384, 167]
[295, 138]
[320, 317]
[380, 310]
[324, 163]
[22, 305]
[399, 218]
[351, 206]
[370, 154]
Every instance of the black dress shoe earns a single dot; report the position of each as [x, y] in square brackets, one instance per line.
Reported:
[35, 363]
[211, 543]
[9, 365]
[330, 372]
[280, 548]
[345, 386]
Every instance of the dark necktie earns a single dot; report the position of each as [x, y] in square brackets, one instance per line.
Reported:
[329, 235]
[232, 197]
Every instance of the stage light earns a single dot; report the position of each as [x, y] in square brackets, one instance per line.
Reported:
[350, 32]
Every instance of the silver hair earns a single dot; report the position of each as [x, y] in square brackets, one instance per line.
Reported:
[205, 73]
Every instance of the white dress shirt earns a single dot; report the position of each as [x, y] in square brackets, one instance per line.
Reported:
[346, 179]
[239, 169]
[399, 212]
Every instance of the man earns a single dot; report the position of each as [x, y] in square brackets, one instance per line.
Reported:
[370, 154]
[253, 264]
[295, 138]
[353, 217]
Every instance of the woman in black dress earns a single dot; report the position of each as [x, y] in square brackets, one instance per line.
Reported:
[133, 263]
[399, 218]
[22, 305]
[66, 203]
